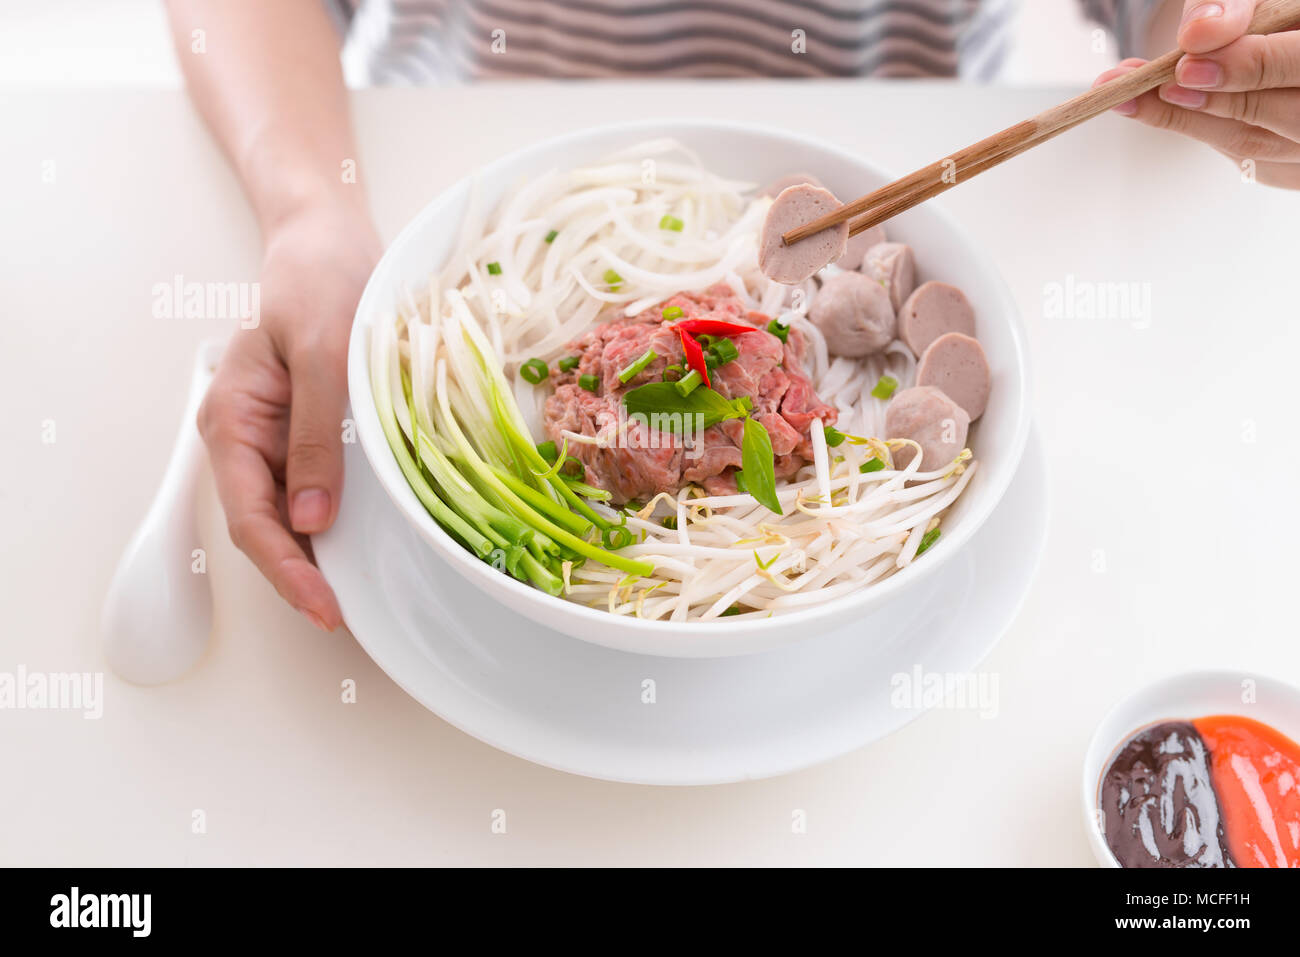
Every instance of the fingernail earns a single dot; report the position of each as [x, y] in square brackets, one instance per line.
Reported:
[1178, 96]
[1127, 109]
[1199, 74]
[314, 618]
[310, 510]
[1205, 11]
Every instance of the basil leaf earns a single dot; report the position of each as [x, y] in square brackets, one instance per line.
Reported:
[759, 466]
[667, 409]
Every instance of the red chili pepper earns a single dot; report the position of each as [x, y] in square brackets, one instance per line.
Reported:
[693, 352]
[712, 327]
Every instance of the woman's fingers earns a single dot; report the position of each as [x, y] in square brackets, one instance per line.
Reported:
[1209, 25]
[314, 468]
[248, 495]
[1226, 135]
[1125, 66]
[1275, 110]
[1229, 136]
[1281, 175]
[1250, 63]
[1239, 94]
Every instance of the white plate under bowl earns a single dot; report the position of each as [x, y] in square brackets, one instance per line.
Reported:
[577, 707]
[758, 154]
[1182, 697]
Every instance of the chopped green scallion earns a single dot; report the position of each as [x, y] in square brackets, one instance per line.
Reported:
[534, 371]
[688, 383]
[617, 537]
[725, 350]
[638, 366]
[885, 387]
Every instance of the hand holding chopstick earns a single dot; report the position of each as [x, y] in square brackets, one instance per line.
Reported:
[1271, 16]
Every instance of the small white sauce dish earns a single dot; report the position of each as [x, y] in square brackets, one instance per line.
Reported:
[1182, 697]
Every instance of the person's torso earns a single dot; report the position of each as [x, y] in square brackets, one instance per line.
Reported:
[446, 41]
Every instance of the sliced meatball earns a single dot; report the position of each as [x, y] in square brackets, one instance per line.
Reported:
[957, 365]
[795, 206]
[854, 315]
[893, 265]
[858, 246]
[932, 310]
[926, 415]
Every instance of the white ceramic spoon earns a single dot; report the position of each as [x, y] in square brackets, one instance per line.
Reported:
[158, 612]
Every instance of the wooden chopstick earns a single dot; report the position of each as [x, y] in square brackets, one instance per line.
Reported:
[902, 204]
[1271, 16]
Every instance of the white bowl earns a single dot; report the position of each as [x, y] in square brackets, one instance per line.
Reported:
[1183, 697]
[753, 153]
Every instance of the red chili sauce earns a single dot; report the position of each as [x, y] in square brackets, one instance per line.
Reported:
[1255, 770]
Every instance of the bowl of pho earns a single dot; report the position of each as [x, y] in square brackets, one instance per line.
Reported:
[598, 386]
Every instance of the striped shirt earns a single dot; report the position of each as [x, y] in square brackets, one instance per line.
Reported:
[449, 41]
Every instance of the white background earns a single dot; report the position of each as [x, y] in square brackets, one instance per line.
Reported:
[1171, 453]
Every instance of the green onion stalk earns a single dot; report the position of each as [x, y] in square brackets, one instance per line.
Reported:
[496, 494]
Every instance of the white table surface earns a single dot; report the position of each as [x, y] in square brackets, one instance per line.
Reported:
[1154, 478]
